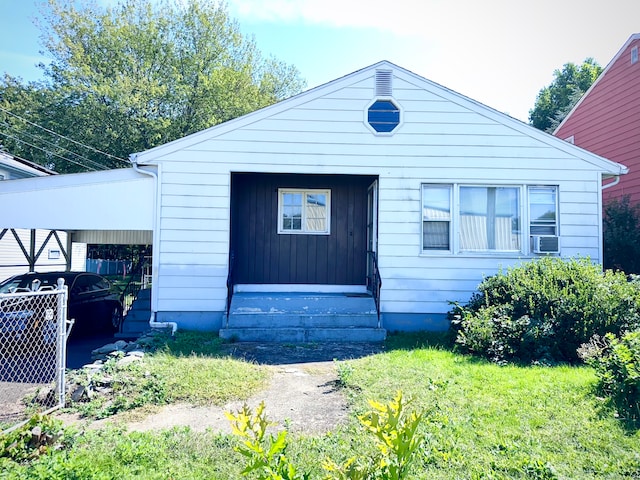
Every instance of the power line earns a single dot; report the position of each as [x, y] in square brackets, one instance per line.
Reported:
[66, 138]
[46, 151]
[98, 166]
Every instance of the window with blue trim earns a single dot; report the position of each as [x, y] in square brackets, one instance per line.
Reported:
[383, 116]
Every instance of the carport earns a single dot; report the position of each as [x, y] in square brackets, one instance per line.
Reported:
[111, 204]
[106, 207]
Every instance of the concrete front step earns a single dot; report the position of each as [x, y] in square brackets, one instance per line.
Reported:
[297, 320]
[136, 321]
[302, 317]
[137, 326]
[246, 303]
[304, 335]
[139, 314]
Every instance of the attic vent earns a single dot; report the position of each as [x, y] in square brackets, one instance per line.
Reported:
[384, 85]
[634, 55]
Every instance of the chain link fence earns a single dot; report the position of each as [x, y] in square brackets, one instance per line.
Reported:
[33, 338]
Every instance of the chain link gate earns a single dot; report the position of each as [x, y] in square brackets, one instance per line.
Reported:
[33, 339]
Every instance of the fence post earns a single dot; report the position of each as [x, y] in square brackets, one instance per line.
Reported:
[61, 355]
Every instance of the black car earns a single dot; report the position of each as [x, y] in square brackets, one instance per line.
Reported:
[92, 303]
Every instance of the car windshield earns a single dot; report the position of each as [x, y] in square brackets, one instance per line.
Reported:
[10, 285]
[24, 283]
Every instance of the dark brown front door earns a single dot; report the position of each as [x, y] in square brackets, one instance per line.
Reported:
[264, 256]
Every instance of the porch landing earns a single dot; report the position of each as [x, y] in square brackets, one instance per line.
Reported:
[302, 317]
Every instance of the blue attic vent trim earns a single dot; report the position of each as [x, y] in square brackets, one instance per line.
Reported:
[383, 116]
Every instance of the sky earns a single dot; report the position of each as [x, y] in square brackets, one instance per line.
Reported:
[498, 52]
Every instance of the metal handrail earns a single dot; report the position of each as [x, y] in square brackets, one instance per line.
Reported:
[229, 285]
[132, 288]
[376, 282]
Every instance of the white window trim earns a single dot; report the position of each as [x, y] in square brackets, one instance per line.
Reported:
[557, 201]
[457, 223]
[304, 192]
[452, 208]
[454, 233]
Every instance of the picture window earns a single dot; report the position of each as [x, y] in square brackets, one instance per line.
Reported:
[487, 218]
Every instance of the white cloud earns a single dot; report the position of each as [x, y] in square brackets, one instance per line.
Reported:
[500, 52]
[401, 17]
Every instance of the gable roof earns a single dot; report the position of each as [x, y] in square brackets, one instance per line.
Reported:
[631, 39]
[154, 155]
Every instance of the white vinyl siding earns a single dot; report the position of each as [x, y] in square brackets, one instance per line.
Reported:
[444, 139]
[13, 261]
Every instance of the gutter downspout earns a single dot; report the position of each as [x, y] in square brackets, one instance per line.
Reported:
[152, 318]
[615, 182]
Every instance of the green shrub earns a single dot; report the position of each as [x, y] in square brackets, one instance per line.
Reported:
[394, 428]
[617, 364]
[397, 440]
[41, 435]
[266, 454]
[621, 232]
[543, 310]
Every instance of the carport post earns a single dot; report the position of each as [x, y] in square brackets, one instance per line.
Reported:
[32, 251]
[70, 250]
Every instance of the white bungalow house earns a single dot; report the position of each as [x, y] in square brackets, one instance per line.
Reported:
[282, 224]
[30, 249]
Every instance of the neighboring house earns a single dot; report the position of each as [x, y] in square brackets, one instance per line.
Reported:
[23, 250]
[606, 120]
[380, 171]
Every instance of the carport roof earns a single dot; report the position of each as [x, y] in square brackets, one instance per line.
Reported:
[121, 199]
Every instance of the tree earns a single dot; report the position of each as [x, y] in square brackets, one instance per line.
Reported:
[556, 100]
[621, 232]
[140, 74]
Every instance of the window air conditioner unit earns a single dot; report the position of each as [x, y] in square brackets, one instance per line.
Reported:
[546, 244]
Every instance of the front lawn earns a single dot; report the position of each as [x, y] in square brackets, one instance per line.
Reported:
[484, 421]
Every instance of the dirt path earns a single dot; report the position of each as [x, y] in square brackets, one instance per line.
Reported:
[302, 396]
[303, 392]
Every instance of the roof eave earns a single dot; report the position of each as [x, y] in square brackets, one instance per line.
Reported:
[149, 156]
[632, 38]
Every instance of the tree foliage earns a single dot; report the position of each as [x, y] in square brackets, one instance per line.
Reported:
[556, 100]
[621, 232]
[126, 78]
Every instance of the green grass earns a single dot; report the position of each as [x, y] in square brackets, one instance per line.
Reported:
[492, 421]
[484, 421]
[187, 368]
[195, 372]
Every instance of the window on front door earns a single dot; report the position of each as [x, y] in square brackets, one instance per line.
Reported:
[304, 211]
